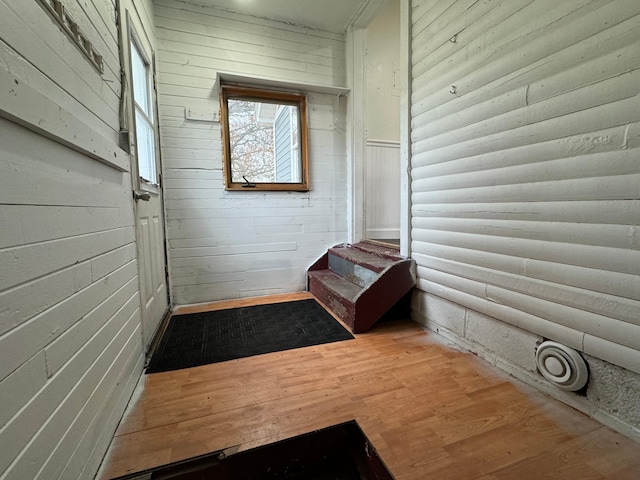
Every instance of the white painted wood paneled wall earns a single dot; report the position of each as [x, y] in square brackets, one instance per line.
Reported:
[70, 342]
[238, 244]
[383, 190]
[526, 167]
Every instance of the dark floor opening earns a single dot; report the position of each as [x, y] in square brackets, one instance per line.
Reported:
[339, 452]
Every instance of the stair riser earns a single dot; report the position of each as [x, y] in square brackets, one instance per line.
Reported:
[341, 307]
[356, 274]
[382, 295]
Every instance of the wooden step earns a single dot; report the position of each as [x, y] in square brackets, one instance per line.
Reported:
[337, 293]
[360, 282]
[363, 258]
[362, 275]
[381, 250]
[361, 263]
[337, 284]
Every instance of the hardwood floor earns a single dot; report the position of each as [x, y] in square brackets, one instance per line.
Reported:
[430, 410]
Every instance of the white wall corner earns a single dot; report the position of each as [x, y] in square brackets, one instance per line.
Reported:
[367, 12]
[405, 129]
[356, 141]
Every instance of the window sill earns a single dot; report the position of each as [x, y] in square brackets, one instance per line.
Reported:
[267, 187]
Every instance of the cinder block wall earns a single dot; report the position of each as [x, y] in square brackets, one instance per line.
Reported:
[612, 394]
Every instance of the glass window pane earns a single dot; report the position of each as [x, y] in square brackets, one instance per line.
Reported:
[263, 139]
[251, 141]
[140, 73]
[146, 149]
[145, 132]
[296, 175]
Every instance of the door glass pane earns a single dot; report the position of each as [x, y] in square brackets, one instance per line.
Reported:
[146, 148]
[140, 81]
[145, 132]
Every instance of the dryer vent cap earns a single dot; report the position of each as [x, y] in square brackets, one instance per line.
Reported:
[562, 366]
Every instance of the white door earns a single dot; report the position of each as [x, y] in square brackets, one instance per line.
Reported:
[147, 191]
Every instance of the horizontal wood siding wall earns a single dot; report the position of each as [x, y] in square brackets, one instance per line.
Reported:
[526, 167]
[222, 244]
[70, 345]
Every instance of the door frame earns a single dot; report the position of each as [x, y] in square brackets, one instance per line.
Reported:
[130, 31]
[356, 134]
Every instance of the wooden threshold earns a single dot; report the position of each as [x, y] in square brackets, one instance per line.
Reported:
[430, 410]
[241, 302]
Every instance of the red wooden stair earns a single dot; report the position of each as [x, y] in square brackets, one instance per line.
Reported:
[360, 282]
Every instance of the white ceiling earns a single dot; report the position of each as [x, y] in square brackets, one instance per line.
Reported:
[329, 15]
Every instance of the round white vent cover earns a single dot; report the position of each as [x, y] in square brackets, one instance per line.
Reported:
[562, 366]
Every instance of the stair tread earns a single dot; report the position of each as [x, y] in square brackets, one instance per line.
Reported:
[357, 256]
[379, 249]
[337, 284]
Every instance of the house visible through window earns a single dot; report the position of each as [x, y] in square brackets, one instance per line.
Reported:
[264, 135]
[144, 121]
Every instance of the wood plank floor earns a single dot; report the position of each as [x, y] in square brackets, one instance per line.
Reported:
[430, 410]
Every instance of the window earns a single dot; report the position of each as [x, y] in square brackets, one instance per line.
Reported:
[265, 139]
[143, 114]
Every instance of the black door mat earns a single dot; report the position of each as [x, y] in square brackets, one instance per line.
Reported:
[209, 337]
[339, 452]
